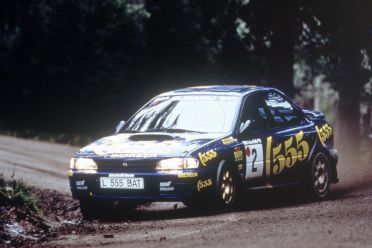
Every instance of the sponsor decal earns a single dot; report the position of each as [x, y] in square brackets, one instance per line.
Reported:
[169, 172]
[205, 157]
[203, 98]
[204, 184]
[80, 185]
[121, 175]
[187, 175]
[122, 148]
[238, 154]
[228, 140]
[166, 186]
[133, 155]
[194, 98]
[324, 133]
[145, 142]
[285, 154]
[254, 158]
[253, 142]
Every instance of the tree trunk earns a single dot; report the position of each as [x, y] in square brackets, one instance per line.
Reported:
[349, 108]
[349, 86]
[282, 56]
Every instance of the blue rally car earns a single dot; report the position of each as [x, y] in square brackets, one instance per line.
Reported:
[203, 144]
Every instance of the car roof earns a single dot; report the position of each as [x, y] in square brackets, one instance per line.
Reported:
[218, 89]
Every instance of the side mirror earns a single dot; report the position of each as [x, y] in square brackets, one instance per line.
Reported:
[244, 126]
[119, 126]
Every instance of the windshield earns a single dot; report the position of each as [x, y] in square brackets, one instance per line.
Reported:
[188, 113]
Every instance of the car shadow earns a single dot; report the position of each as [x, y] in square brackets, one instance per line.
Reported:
[253, 201]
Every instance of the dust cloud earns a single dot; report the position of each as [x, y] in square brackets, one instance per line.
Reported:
[354, 166]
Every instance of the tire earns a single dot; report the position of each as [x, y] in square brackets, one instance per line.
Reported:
[95, 209]
[125, 207]
[227, 189]
[196, 204]
[319, 180]
[190, 203]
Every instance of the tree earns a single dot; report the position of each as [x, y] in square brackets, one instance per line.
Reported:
[284, 21]
[335, 36]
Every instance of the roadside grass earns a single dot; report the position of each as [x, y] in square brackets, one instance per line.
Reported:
[21, 215]
[16, 193]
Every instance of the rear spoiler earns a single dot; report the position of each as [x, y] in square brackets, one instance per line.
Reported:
[314, 115]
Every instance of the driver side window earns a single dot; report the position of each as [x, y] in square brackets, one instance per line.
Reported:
[255, 115]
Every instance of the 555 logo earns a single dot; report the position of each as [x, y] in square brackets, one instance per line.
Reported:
[285, 154]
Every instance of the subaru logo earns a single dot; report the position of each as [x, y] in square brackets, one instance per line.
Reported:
[125, 164]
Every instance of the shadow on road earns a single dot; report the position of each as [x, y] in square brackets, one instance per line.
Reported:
[254, 201]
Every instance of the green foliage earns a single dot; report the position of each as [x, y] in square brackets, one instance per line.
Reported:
[16, 193]
[72, 66]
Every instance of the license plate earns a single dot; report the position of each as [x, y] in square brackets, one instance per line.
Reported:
[121, 183]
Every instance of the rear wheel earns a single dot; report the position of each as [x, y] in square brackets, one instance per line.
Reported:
[320, 176]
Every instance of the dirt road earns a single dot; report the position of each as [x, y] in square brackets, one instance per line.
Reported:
[276, 218]
[40, 164]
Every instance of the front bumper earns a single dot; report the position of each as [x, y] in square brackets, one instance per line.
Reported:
[158, 186]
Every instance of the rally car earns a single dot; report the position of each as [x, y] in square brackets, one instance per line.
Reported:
[207, 144]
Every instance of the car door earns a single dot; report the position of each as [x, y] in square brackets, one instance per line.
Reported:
[288, 145]
[254, 128]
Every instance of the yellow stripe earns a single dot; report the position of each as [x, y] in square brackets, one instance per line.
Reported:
[268, 155]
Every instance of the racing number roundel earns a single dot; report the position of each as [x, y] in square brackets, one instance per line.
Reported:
[254, 158]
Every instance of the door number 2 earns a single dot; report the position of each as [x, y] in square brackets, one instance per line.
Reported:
[254, 160]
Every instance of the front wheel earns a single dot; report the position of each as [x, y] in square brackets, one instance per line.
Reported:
[320, 176]
[95, 209]
[227, 189]
[194, 204]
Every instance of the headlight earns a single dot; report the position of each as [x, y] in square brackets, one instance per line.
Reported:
[83, 164]
[72, 163]
[177, 164]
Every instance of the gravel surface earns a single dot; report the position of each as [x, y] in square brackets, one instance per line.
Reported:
[272, 218]
[40, 164]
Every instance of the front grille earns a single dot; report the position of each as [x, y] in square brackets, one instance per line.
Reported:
[117, 165]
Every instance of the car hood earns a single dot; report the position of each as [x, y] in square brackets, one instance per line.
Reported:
[146, 145]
